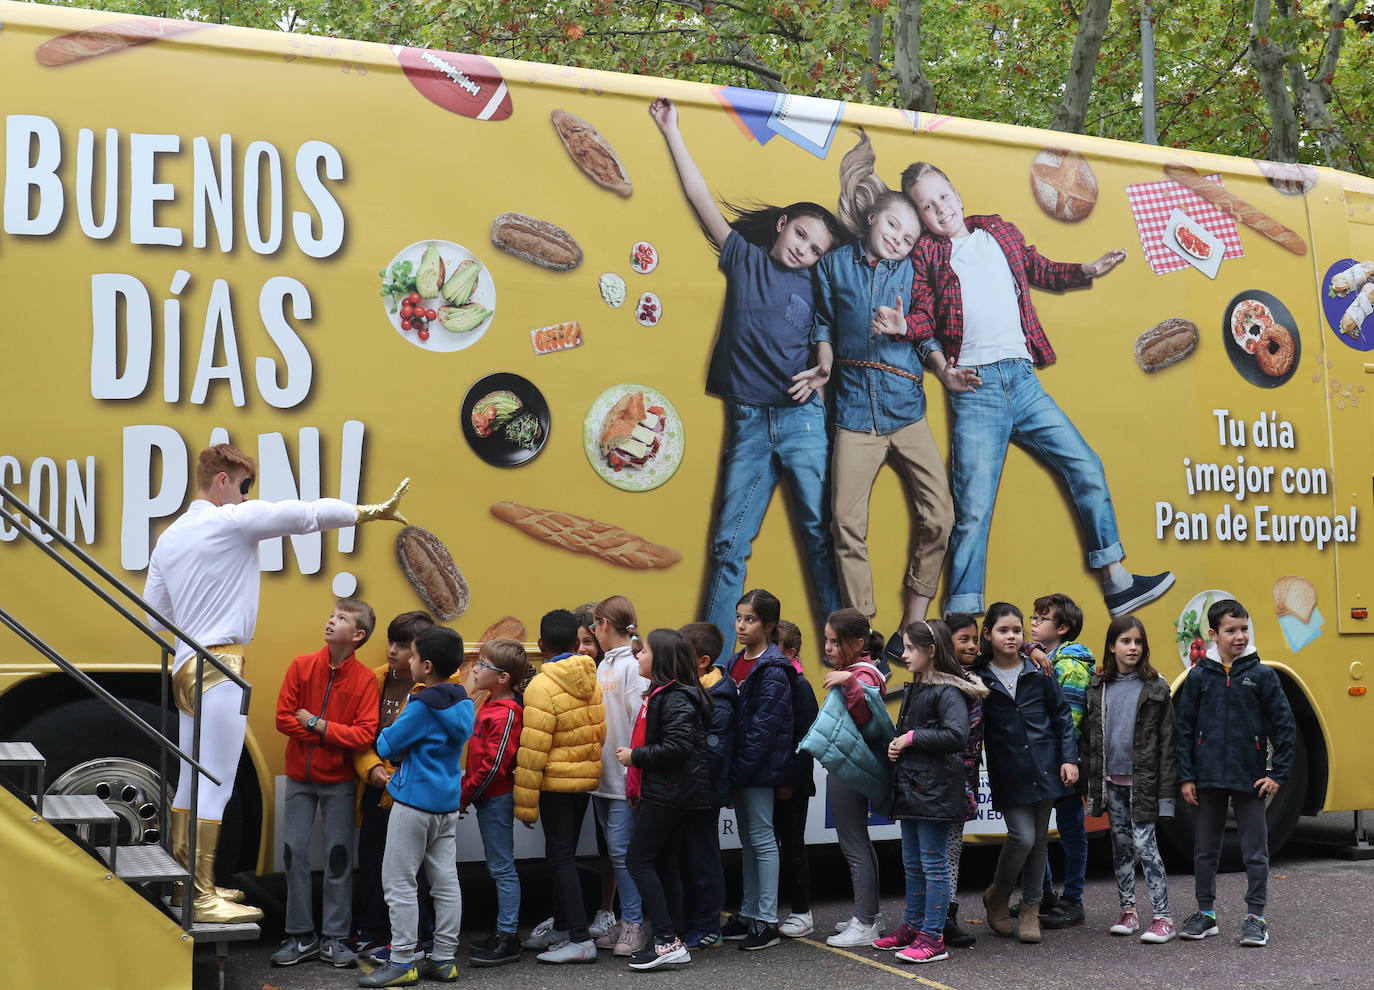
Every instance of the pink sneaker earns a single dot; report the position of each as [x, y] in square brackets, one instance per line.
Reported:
[924, 949]
[1160, 930]
[1126, 924]
[899, 939]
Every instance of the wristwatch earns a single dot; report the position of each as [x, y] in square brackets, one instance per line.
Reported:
[312, 721]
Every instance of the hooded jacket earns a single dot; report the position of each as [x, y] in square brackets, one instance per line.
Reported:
[564, 727]
[1225, 721]
[1153, 751]
[673, 758]
[1026, 739]
[491, 754]
[428, 738]
[928, 779]
[720, 731]
[770, 723]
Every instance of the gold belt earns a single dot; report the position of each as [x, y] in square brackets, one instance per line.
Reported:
[184, 677]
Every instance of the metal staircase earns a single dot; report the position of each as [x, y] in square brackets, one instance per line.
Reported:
[150, 868]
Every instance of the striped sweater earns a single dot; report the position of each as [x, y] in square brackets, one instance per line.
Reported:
[491, 752]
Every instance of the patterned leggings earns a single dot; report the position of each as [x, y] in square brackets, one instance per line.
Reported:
[1132, 841]
[954, 849]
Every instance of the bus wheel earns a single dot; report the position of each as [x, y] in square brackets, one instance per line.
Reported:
[1281, 813]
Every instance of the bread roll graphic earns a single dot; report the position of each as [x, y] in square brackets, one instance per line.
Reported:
[591, 152]
[536, 241]
[1165, 344]
[431, 570]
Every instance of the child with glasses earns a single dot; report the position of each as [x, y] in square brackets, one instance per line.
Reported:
[488, 785]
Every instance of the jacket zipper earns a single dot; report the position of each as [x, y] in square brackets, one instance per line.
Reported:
[309, 753]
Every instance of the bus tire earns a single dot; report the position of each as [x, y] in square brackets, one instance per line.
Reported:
[1281, 814]
[91, 749]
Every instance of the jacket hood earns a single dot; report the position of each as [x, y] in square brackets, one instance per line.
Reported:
[443, 701]
[772, 653]
[1155, 687]
[575, 674]
[974, 689]
[1250, 654]
[712, 675]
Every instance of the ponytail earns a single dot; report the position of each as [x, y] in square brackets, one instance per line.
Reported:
[849, 624]
[862, 193]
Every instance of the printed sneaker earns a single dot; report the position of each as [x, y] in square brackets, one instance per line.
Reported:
[657, 953]
[296, 948]
[856, 934]
[736, 928]
[601, 924]
[797, 925]
[762, 935]
[899, 939]
[1199, 925]
[697, 939]
[1142, 590]
[392, 975]
[632, 939]
[1127, 924]
[1254, 931]
[333, 950]
[1160, 930]
[569, 952]
[544, 936]
[439, 970]
[610, 937]
[924, 949]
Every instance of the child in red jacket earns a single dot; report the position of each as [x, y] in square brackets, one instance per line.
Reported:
[487, 785]
[327, 709]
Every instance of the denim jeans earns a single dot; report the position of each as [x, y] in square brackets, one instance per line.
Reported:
[618, 822]
[926, 862]
[496, 822]
[1011, 407]
[759, 859]
[765, 445]
[1073, 839]
[336, 807]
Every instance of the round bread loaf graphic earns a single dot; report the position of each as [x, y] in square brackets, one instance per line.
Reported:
[1064, 184]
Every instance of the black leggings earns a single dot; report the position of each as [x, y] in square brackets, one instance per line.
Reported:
[562, 815]
[653, 861]
[789, 824]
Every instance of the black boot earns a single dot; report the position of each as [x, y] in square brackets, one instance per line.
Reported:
[960, 938]
[501, 948]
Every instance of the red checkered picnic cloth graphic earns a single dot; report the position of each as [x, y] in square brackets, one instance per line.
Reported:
[1151, 204]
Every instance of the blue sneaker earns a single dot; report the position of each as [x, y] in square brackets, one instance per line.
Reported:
[1142, 591]
[378, 955]
[697, 939]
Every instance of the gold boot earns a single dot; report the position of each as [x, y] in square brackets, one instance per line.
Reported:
[209, 906]
[180, 822]
[999, 918]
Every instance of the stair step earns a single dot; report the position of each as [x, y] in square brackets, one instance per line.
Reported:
[21, 754]
[77, 809]
[204, 931]
[144, 864]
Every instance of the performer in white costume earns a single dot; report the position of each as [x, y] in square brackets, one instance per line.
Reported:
[203, 575]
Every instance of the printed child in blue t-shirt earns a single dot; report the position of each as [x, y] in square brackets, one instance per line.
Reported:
[767, 256]
[880, 406]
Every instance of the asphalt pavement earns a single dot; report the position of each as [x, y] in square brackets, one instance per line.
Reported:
[1321, 913]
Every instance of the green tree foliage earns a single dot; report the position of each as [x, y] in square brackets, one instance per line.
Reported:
[1007, 61]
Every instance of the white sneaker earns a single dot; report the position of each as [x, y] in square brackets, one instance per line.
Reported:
[601, 924]
[569, 952]
[842, 925]
[543, 936]
[857, 934]
[797, 925]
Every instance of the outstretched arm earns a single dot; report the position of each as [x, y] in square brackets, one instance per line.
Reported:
[1104, 264]
[664, 112]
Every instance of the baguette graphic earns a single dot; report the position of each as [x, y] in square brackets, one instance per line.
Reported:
[536, 241]
[116, 36]
[1165, 344]
[592, 153]
[582, 535]
[1228, 202]
[430, 568]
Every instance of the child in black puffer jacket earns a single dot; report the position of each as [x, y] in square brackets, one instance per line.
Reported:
[669, 782]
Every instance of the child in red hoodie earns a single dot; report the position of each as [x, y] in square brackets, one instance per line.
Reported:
[327, 709]
[487, 785]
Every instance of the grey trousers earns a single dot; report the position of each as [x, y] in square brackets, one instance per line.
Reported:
[849, 810]
[335, 803]
[1023, 854]
[414, 837]
[1254, 846]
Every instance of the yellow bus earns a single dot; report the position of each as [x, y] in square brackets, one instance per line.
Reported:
[210, 233]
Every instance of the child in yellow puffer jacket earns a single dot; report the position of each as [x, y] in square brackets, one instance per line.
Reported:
[558, 765]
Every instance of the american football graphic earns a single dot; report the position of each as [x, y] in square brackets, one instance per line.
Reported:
[468, 85]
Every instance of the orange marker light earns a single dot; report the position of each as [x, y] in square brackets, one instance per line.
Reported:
[1356, 690]
[1359, 612]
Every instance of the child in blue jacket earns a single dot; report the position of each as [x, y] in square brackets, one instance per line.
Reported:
[427, 740]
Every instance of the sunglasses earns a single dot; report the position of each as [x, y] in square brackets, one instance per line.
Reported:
[245, 484]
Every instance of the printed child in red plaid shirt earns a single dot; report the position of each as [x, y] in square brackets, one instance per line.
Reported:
[974, 323]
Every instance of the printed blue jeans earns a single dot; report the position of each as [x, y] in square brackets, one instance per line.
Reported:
[765, 445]
[1011, 407]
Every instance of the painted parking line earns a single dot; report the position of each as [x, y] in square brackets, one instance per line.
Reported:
[905, 974]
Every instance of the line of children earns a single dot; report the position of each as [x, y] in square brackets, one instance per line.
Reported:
[790, 809]
[699, 730]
